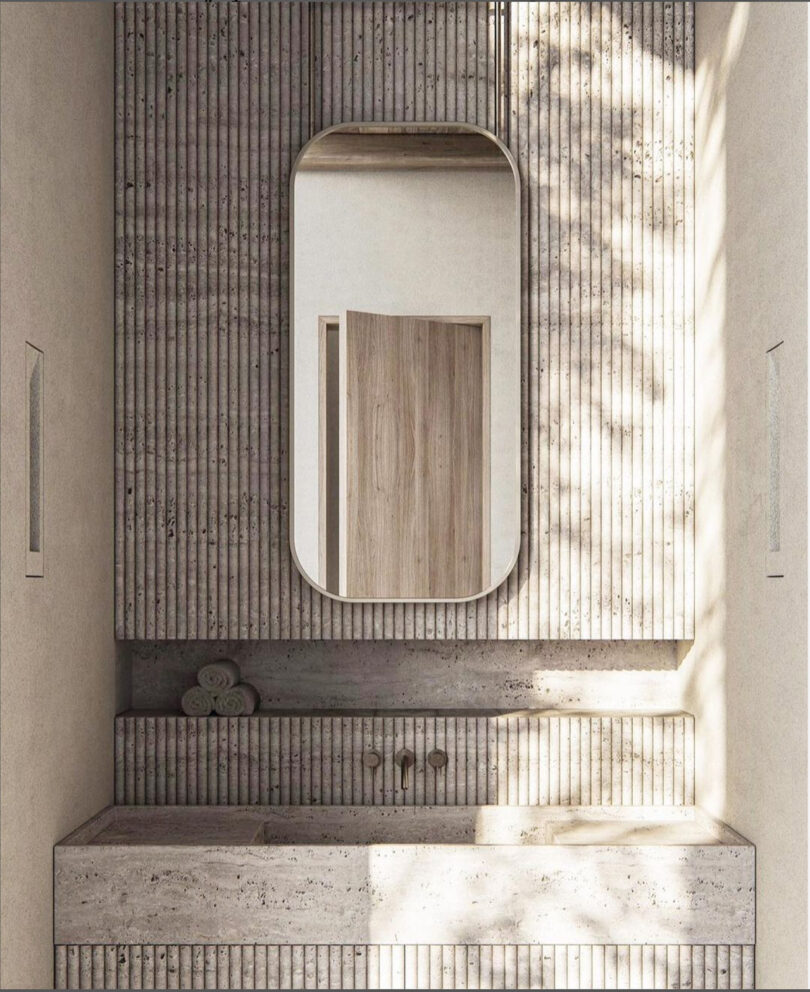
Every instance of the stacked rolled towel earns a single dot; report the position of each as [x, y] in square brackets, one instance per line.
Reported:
[239, 700]
[197, 701]
[219, 676]
[220, 690]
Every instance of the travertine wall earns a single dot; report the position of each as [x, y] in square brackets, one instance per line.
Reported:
[526, 759]
[57, 653]
[213, 101]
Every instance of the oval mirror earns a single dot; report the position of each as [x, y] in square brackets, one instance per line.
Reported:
[405, 362]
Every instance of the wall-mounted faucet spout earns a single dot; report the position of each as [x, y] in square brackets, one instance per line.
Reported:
[405, 759]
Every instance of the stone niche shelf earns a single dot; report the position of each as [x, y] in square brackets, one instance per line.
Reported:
[529, 758]
[397, 966]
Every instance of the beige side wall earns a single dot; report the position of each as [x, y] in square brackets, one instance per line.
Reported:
[747, 672]
[57, 654]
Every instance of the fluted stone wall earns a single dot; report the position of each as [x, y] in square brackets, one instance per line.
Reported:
[530, 759]
[213, 102]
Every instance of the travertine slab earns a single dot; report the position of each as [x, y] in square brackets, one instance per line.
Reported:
[387, 892]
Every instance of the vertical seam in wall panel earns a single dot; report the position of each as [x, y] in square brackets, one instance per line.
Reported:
[688, 630]
[647, 475]
[678, 329]
[196, 110]
[120, 309]
[208, 419]
[224, 321]
[635, 375]
[139, 516]
[254, 609]
[151, 304]
[532, 372]
[575, 354]
[668, 355]
[179, 287]
[193, 261]
[657, 350]
[164, 399]
[605, 629]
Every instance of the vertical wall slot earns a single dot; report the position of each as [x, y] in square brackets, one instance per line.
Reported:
[774, 358]
[35, 468]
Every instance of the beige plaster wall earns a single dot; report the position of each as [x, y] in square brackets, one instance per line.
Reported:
[57, 656]
[746, 675]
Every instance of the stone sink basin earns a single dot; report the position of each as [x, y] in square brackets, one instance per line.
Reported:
[415, 875]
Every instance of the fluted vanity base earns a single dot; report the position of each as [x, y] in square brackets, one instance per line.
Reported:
[404, 966]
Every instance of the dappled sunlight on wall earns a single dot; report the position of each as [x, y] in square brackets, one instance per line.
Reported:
[595, 102]
[705, 663]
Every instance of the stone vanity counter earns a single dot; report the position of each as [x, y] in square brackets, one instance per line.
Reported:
[391, 875]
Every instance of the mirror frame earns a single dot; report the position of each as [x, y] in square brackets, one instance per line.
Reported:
[408, 127]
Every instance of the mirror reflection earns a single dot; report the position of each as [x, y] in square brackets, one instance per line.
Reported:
[405, 369]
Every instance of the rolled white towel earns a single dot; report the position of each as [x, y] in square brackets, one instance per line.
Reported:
[197, 701]
[239, 700]
[219, 675]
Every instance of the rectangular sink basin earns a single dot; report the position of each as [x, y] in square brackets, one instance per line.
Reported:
[368, 875]
[483, 826]
[376, 825]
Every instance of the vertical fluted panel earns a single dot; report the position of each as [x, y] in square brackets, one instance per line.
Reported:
[405, 966]
[535, 759]
[601, 122]
[211, 108]
[596, 102]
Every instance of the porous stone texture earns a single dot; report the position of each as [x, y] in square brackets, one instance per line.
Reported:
[370, 875]
[405, 966]
[213, 102]
[519, 759]
[420, 675]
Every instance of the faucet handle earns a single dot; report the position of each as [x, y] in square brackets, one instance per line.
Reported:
[372, 758]
[405, 759]
[437, 758]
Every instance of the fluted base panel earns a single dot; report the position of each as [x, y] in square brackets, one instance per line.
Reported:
[405, 966]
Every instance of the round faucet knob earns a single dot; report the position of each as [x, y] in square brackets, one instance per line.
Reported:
[437, 758]
[372, 758]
